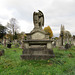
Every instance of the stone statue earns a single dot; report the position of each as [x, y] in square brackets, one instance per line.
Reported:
[37, 46]
[38, 19]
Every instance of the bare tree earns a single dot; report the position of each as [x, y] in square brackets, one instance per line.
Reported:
[12, 26]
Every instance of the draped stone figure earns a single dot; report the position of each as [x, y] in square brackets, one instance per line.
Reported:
[37, 44]
[38, 19]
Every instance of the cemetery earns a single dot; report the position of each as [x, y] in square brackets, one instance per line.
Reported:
[37, 53]
[62, 64]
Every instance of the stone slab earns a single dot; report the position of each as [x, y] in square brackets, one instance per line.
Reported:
[37, 57]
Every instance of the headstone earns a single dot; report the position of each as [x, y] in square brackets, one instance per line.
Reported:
[22, 43]
[67, 46]
[62, 34]
[0, 42]
[9, 45]
[5, 42]
[58, 42]
[54, 43]
[1, 52]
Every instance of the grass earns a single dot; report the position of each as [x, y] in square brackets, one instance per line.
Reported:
[62, 64]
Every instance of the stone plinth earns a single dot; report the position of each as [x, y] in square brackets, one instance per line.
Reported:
[36, 57]
[37, 53]
[37, 49]
[29, 43]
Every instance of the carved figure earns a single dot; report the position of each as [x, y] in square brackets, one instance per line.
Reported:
[38, 19]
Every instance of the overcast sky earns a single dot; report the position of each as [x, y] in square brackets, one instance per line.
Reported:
[56, 12]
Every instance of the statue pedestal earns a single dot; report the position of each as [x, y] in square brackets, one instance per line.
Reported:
[37, 49]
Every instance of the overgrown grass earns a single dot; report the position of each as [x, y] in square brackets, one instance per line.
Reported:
[12, 64]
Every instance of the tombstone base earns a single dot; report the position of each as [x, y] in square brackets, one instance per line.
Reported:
[36, 57]
[37, 54]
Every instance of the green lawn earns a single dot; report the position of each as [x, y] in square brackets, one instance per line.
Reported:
[62, 64]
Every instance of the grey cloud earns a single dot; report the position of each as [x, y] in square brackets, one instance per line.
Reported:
[56, 12]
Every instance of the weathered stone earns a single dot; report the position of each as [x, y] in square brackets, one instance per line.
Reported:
[62, 48]
[0, 42]
[65, 37]
[37, 53]
[36, 57]
[49, 45]
[8, 45]
[1, 52]
[5, 42]
[37, 34]
[67, 46]
[38, 19]
[37, 45]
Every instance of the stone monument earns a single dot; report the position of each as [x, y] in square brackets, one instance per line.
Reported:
[37, 45]
[5, 42]
[62, 34]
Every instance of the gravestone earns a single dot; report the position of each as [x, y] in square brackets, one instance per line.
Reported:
[1, 52]
[22, 43]
[9, 44]
[62, 34]
[67, 46]
[5, 42]
[37, 45]
[0, 42]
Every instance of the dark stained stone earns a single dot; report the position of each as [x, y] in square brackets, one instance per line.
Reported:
[1, 52]
[67, 46]
[8, 45]
[37, 53]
